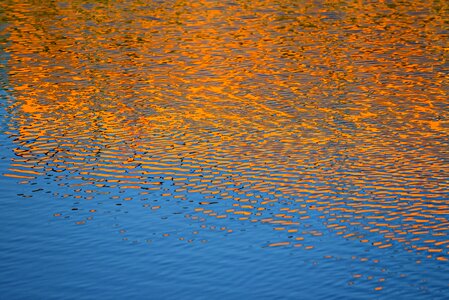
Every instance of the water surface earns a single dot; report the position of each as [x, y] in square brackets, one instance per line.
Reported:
[239, 149]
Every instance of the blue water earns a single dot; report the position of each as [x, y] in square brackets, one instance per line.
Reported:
[122, 252]
[44, 257]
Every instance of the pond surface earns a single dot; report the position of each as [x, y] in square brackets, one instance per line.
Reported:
[224, 149]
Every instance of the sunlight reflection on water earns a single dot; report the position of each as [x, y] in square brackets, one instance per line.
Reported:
[300, 122]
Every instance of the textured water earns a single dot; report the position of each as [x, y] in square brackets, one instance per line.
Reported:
[224, 149]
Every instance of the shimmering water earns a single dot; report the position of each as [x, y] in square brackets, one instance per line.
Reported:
[224, 149]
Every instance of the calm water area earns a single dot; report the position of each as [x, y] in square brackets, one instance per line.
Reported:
[224, 149]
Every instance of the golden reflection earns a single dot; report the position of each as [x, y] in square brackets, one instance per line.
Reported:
[282, 112]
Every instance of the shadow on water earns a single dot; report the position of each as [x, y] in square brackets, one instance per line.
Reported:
[240, 149]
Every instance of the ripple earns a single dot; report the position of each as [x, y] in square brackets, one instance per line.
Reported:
[304, 119]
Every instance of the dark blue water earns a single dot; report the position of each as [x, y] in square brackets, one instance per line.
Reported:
[122, 253]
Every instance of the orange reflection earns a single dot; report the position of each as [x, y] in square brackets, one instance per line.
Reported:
[336, 111]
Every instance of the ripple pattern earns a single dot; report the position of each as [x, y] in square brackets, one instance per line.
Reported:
[281, 114]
